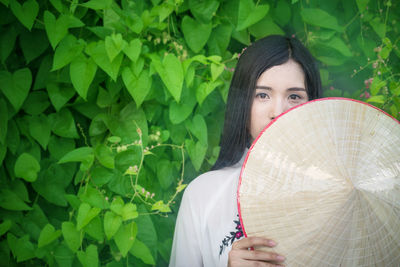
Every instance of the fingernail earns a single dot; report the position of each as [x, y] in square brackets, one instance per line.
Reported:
[271, 243]
[280, 258]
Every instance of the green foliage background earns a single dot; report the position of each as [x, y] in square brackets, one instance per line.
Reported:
[108, 108]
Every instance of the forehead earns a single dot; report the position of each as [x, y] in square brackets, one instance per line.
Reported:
[289, 74]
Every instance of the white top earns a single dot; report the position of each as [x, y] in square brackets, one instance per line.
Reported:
[208, 220]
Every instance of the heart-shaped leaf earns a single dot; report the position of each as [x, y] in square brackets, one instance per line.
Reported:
[68, 49]
[85, 215]
[125, 237]
[82, 71]
[216, 70]
[40, 129]
[196, 34]
[63, 124]
[48, 235]
[105, 156]
[178, 112]
[71, 236]
[117, 205]
[98, 4]
[11, 201]
[26, 13]
[16, 86]
[27, 167]
[112, 222]
[196, 151]
[205, 89]
[141, 251]
[138, 87]
[198, 128]
[97, 52]
[59, 96]
[133, 49]
[114, 44]
[171, 73]
[250, 14]
[203, 10]
[320, 18]
[129, 211]
[89, 258]
[56, 29]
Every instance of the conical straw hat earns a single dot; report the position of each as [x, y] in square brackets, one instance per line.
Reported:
[323, 180]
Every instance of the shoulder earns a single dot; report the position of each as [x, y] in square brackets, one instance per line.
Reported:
[212, 183]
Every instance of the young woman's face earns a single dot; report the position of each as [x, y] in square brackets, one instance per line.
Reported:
[278, 89]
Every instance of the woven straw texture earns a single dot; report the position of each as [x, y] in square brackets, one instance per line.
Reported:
[323, 180]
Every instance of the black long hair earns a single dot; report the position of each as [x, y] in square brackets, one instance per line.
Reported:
[265, 53]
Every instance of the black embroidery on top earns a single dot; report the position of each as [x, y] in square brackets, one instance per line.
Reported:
[234, 235]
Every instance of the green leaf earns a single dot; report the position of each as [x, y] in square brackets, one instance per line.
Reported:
[125, 237]
[380, 99]
[95, 229]
[82, 71]
[204, 89]
[117, 205]
[112, 223]
[338, 44]
[56, 29]
[16, 86]
[114, 44]
[216, 70]
[98, 4]
[98, 53]
[141, 251]
[3, 120]
[220, 38]
[84, 155]
[178, 112]
[198, 128]
[93, 197]
[63, 255]
[90, 257]
[161, 206]
[26, 13]
[196, 34]
[48, 235]
[63, 124]
[362, 4]
[40, 130]
[129, 212]
[171, 74]
[379, 27]
[21, 248]
[265, 27]
[114, 139]
[11, 201]
[376, 85]
[7, 43]
[133, 49]
[105, 156]
[203, 11]
[36, 103]
[26, 167]
[165, 173]
[138, 87]
[320, 18]
[5, 226]
[250, 14]
[85, 215]
[196, 151]
[59, 146]
[68, 49]
[58, 95]
[71, 236]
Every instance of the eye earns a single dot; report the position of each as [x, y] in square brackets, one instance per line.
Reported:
[262, 96]
[295, 97]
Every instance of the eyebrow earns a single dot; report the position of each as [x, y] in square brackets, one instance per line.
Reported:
[289, 89]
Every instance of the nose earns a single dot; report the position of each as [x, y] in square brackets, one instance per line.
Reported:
[279, 106]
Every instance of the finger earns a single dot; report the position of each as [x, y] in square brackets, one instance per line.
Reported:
[258, 255]
[253, 241]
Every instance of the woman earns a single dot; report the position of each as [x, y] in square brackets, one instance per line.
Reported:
[272, 75]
